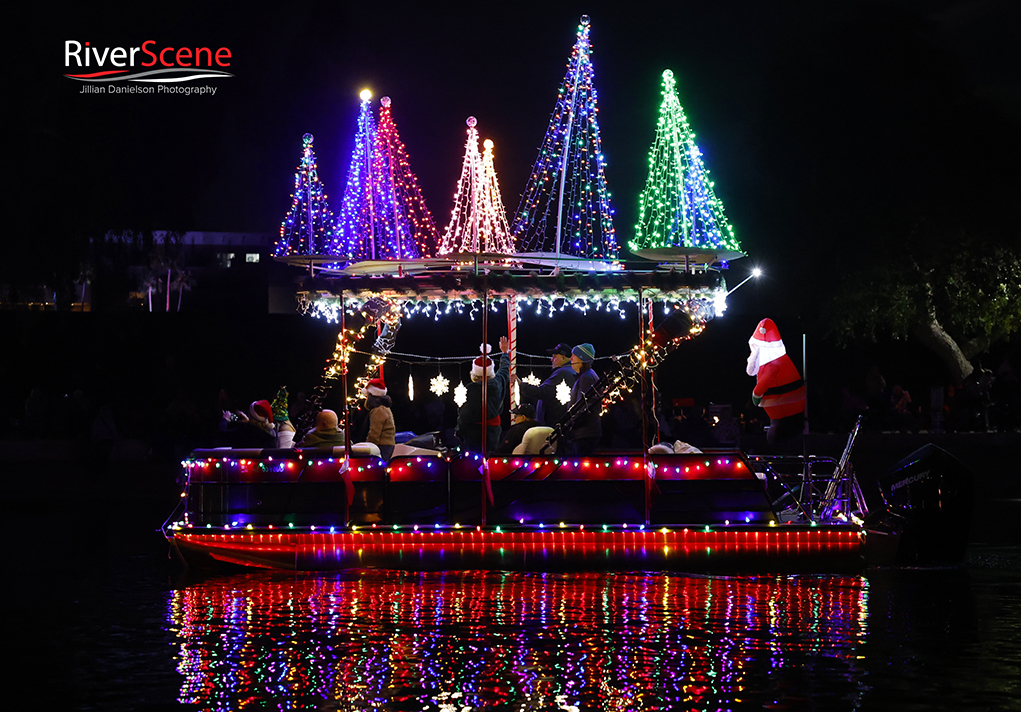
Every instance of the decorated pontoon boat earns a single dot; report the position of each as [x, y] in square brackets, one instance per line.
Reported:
[440, 508]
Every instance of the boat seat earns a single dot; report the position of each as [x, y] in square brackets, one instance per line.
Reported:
[533, 441]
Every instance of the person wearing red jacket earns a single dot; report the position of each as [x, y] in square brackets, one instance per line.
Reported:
[779, 388]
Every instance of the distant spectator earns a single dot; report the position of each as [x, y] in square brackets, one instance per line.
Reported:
[694, 428]
[903, 417]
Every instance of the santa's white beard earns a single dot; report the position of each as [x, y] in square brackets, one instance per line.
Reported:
[753, 363]
[762, 353]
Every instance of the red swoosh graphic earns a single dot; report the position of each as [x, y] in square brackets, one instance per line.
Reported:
[97, 74]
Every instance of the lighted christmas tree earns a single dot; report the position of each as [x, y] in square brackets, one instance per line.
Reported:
[678, 208]
[383, 216]
[309, 227]
[478, 222]
[415, 234]
[494, 229]
[565, 207]
[357, 224]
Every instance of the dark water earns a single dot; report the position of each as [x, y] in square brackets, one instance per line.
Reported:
[100, 619]
[892, 639]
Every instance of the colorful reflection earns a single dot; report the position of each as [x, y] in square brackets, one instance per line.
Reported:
[472, 640]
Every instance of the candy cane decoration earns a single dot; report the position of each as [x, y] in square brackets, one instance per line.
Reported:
[512, 354]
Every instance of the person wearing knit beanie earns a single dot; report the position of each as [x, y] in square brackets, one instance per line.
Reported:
[587, 431]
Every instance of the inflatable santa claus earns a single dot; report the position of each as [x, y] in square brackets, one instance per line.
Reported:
[778, 385]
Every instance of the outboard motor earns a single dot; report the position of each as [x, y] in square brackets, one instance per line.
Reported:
[928, 497]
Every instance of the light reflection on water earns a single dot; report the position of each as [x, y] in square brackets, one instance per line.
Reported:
[484, 640]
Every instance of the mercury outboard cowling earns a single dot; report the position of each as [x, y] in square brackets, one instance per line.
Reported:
[928, 497]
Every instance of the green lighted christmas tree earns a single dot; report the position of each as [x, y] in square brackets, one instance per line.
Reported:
[678, 208]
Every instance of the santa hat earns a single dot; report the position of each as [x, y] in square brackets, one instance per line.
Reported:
[766, 331]
[261, 411]
[375, 387]
[483, 367]
[766, 346]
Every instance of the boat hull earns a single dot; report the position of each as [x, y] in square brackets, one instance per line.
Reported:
[788, 548]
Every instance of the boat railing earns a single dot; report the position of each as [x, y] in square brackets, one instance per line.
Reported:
[817, 489]
[235, 488]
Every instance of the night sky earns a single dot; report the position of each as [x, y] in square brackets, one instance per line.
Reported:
[750, 75]
[828, 127]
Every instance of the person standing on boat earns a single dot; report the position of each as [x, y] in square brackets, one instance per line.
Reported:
[588, 428]
[469, 416]
[381, 418]
[779, 388]
[549, 410]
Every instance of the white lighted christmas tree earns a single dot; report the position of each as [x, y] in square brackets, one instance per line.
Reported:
[478, 221]
[309, 226]
[565, 207]
[678, 207]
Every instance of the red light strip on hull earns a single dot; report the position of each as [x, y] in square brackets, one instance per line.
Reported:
[812, 549]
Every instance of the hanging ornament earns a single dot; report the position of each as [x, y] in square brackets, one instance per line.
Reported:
[460, 395]
[563, 392]
[411, 388]
[517, 392]
[439, 385]
[532, 380]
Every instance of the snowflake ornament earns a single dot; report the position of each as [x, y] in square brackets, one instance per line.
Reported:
[439, 385]
[460, 395]
[531, 380]
[411, 388]
[563, 392]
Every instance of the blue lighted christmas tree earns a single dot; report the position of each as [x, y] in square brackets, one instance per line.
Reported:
[678, 208]
[383, 215]
[565, 207]
[357, 224]
[309, 227]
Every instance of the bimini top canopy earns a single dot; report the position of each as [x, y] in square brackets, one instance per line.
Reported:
[495, 276]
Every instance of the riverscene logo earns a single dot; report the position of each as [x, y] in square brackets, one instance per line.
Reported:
[147, 69]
